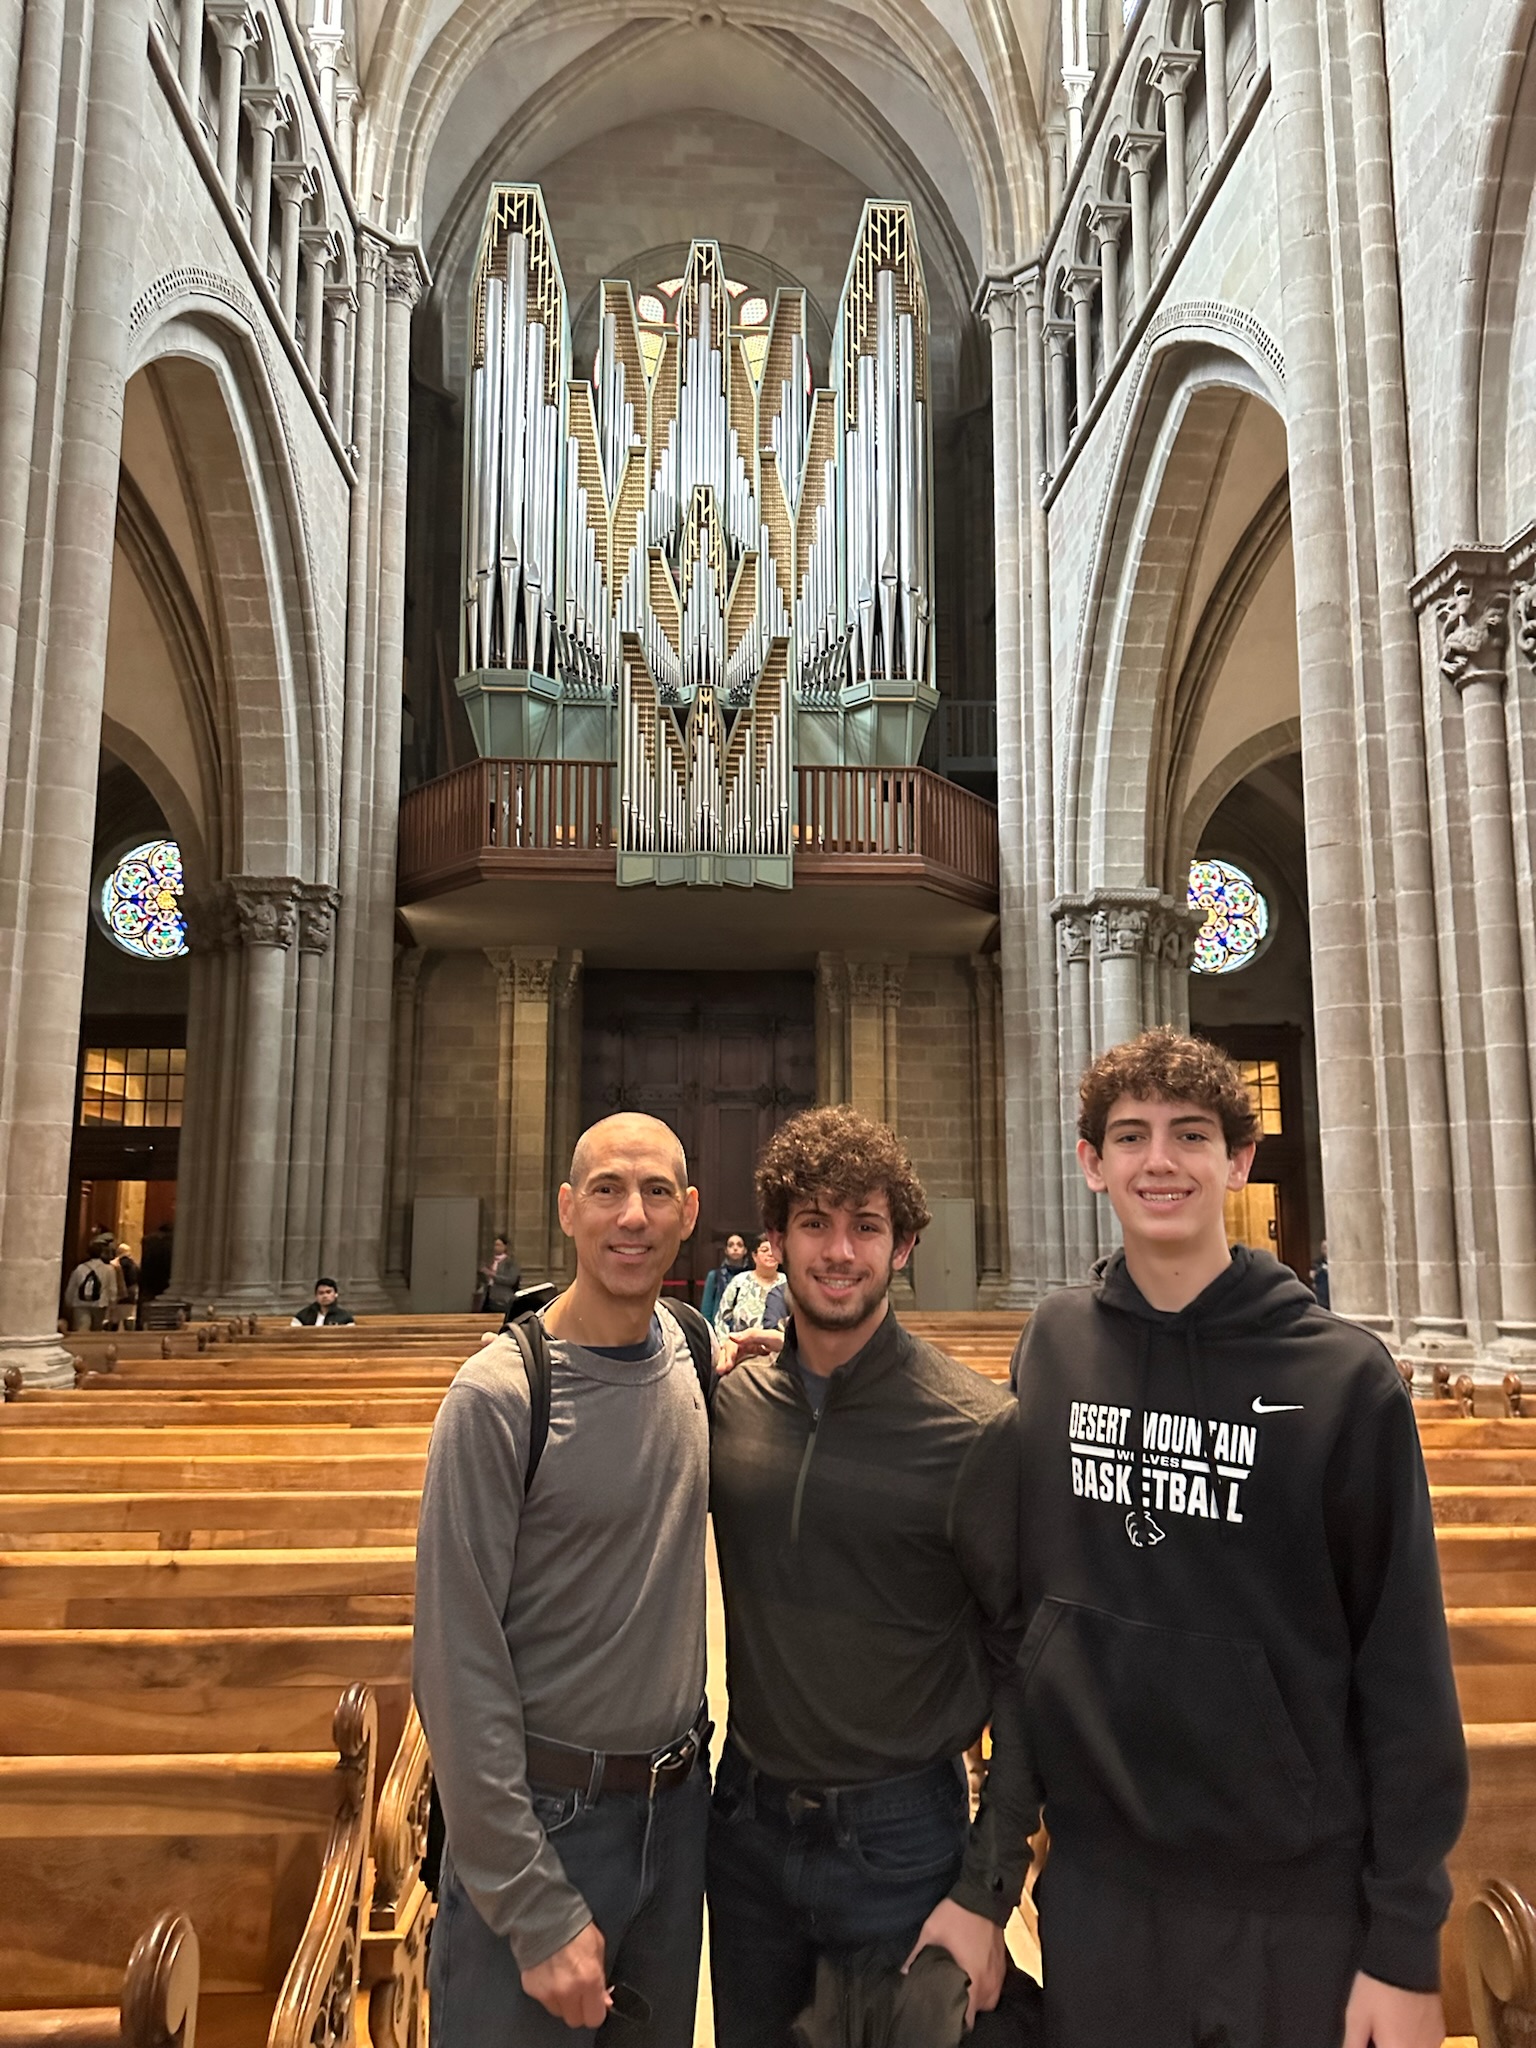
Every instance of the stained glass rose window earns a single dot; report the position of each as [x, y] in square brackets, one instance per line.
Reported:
[1236, 916]
[141, 902]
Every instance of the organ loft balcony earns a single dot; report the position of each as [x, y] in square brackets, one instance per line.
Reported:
[879, 855]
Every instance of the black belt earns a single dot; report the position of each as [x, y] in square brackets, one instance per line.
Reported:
[595, 1771]
[798, 1803]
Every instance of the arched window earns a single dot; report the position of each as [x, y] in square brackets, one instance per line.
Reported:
[1236, 916]
[141, 902]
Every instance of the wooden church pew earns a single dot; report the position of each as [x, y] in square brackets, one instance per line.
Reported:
[156, 2007]
[265, 1854]
[254, 1519]
[111, 1472]
[228, 1407]
[42, 1589]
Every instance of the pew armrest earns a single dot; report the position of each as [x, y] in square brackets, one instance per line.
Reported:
[1499, 1936]
[317, 2006]
[158, 2008]
[394, 1948]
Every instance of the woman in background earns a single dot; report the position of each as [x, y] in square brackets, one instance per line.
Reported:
[721, 1276]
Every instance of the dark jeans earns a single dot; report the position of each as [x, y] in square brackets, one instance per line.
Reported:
[788, 1882]
[1124, 1966]
[639, 1864]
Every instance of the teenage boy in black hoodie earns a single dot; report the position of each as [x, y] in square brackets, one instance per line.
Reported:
[1234, 1703]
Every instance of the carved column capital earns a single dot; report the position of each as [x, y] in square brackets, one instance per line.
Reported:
[568, 979]
[403, 278]
[866, 981]
[504, 960]
[1074, 928]
[1174, 929]
[209, 922]
[894, 977]
[372, 260]
[1082, 281]
[532, 974]
[264, 909]
[1139, 149]
[409, 961]
[1525, 621]
[1107, 219]
[1473, 624]
[1000, 302]
[1173, 70]
[1127, 922]
[318, 905]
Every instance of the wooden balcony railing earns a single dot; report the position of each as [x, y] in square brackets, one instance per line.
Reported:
[557, 818]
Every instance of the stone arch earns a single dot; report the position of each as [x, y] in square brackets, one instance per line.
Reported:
[1181, 424]
[412, 91]
[242, 495]
[1260, 748]
[1487, 280]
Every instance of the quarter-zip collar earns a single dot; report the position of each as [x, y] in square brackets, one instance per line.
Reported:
[878, 1355]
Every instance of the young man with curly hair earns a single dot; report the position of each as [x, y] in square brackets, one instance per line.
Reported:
[860, 1482]
[1234, 1703]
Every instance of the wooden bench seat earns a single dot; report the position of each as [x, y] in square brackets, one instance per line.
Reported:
[170, 1439]
[156, 2008]
[226, 1408]
[1499, 1841]
[1488, 1565]
[42, 1589]
[206, 1521]
[118, 1691]
[266, 1855]
[109, 1472]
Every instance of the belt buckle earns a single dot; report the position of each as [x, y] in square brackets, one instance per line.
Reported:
[683, 1751]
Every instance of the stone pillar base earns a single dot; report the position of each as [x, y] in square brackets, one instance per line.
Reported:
[41, 1361]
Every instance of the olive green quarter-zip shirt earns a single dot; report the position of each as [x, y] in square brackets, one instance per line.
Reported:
[869, 1560]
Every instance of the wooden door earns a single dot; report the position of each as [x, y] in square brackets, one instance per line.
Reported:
[723, 1059]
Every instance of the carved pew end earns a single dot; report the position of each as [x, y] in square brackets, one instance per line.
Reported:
[1514, 1394]
[1462, 1393]
[1442, 1381]
[1499, 1936]
[13, 1380]
[159, 2002]
[1405, 1368]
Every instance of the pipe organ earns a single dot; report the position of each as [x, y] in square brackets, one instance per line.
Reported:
[698, 563]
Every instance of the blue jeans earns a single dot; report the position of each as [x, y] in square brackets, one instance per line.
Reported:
[639, 1864]
[789, 1881]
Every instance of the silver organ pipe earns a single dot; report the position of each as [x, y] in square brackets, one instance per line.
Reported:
[607, 535]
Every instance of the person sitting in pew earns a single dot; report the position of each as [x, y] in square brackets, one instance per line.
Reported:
[1234, 1705]
[325, 1311]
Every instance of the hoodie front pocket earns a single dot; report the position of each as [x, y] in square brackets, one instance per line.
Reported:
[1182, 1737]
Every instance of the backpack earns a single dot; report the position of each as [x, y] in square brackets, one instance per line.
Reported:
[90, 1286]
[531, 1339]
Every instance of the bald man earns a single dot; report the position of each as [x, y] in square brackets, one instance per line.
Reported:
[559, 1653]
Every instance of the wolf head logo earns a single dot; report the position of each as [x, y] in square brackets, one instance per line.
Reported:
[1142, 1530]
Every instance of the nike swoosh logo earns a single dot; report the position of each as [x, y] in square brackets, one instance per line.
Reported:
[1277, 1407]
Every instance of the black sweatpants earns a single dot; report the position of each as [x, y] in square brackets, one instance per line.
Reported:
[1136, 1969]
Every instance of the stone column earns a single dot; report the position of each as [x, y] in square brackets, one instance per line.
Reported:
[891, 1023]
[533, 1191]
[1056, 171]
[1082, 283]
[565, 1091]
[1260, 34]
[346, 103]
[1122, 933]
[831, 1028]
[317, 906]
[1139, 149]
[409, 961]
[1108, 221]
[325, 48]
[1170, 76]
[1077, 79]
[1031, 1021]
[234, 27]
[265, 913]
[316, 245]
[67, 377]
[1215, 12]
[866, 1036]
[340, 302]
[264, 108]
[1074, 932]
[199, 1242]
[1474, 638]
[1323, 519]
[1059, 335]
[189, 55]
[502, 960]
[294, 185]
[987, 1093]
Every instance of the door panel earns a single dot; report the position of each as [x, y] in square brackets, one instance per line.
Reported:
[722, 1058]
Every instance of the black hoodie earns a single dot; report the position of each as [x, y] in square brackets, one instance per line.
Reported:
[1236, 1684]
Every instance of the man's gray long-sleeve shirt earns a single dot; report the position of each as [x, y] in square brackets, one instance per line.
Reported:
[577, 1615]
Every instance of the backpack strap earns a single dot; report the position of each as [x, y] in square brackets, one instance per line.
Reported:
[528, 1334]
[700, 1339]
